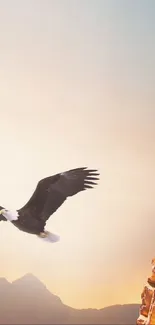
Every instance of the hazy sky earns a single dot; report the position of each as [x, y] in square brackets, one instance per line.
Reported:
[77, 88]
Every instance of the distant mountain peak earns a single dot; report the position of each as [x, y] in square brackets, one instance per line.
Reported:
[36, 303]
[28, 277]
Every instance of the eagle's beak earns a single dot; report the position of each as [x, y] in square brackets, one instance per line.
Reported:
[2, 211]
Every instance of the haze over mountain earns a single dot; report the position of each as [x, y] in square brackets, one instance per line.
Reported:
[28, 301]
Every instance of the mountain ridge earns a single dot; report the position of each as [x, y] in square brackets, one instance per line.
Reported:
[28, 301]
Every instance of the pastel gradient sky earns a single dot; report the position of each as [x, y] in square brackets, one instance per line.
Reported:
[77, 88]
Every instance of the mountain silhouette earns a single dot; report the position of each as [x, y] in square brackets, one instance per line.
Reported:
[28, 301]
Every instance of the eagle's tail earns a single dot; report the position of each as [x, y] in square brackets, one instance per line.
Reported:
[49, 237]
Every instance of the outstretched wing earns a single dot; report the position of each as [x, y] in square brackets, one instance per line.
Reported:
[52, 191]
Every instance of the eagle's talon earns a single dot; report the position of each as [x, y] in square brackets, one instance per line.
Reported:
[43, 234]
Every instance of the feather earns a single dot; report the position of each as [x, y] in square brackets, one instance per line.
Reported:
[52, 191]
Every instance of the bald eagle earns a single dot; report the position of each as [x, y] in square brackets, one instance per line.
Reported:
[49, 195]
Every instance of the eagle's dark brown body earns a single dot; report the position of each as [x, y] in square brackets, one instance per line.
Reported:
[29, 225]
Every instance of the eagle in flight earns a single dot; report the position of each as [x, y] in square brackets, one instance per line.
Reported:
[50, 194]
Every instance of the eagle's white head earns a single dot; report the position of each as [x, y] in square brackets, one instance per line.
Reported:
[9, 214]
